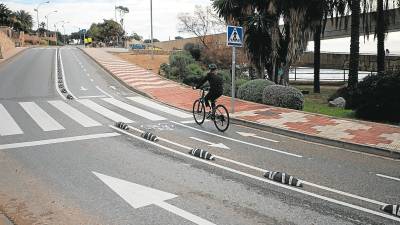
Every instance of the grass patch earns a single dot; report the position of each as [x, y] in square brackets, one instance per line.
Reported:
[318, 103]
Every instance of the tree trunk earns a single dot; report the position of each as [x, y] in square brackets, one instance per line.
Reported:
[381, 37]
[317, 59]
[355, 44]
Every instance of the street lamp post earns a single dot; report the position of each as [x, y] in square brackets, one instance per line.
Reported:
[151, 25]
[47, 18]
[64, 29]
[55, 29]
[37, 12]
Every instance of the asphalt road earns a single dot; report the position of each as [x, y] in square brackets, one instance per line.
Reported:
[63, 162]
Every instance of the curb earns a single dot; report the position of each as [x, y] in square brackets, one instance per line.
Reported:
[302, 136]
[117, 78]
[13, 56]
[307, 137]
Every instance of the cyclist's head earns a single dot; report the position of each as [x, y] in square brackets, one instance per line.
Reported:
[212, 67]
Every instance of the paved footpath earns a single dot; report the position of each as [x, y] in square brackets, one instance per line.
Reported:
[9, 54]
[360, 133]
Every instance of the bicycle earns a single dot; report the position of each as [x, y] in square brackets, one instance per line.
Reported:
[219, 115]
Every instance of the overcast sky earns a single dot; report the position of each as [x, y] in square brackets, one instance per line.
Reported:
[82, 13]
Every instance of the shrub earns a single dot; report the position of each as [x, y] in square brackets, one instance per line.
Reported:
[178, 62]
[283, 96]
[377, 97]
[345, 93]
[228, 86]
[165, 69]
[195, 73]
[194, 50]
[253, 90]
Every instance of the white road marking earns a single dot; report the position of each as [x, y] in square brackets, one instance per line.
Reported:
[104, 111]
[57, 140]
[388, 177]
[188, 122]
[262, 179]
[255, 136]
[113, 87]
[264, 171]
[139, 196]
[220, 145]
[88, 74]
[105, 93]
[243, 142]
[154, 105]
[83, 88]
[93, 96]
[8, 126]
[134, 110]
[56, 76]
[91, 80]
[63, 75]
[74, 114]
[44, 120]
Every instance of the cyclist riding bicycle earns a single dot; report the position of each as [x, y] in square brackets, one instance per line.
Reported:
[216, 86]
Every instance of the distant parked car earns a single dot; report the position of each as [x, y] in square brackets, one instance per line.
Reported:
[137, 46]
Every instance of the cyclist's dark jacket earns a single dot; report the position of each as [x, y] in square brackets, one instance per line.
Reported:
[216, 83]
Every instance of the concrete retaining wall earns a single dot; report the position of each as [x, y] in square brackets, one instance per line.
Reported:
[6, 44]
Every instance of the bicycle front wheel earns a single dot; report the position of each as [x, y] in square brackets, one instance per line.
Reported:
[221, 120]
[199, 112]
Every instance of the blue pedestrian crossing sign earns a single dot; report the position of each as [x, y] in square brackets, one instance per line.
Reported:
[234, 36]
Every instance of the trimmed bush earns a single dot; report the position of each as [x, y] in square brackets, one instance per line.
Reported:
[253, 90]
[228, 86]
[165, 69]
[283, 96]
[345, 93]
[377, 97]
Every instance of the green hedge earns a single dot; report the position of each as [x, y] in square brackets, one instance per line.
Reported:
[377, 97]
[253, 90]
[283, 96]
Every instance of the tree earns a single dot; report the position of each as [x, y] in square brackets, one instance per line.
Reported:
[201, 23]
[137, 37]
[108, 31]
[25, 21]
[355, 7]
[5, 15]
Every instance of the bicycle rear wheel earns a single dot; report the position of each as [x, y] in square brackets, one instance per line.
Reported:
[199, 112]
[221, 120]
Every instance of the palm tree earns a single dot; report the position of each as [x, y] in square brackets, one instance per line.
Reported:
[25, 20]
[5, 15]
[355, 7]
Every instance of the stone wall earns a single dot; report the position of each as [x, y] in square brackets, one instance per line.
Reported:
[6, 43]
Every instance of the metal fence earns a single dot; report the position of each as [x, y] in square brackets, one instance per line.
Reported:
[333, 75]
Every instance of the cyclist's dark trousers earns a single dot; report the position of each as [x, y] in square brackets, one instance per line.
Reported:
[211, 96]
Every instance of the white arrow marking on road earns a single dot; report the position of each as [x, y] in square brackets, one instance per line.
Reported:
[140, 196]
[220, 145]
[255, 136]
[83, 88]
[113, 87]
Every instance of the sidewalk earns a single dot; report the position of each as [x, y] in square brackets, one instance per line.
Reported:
[9, 54]
[357, 135]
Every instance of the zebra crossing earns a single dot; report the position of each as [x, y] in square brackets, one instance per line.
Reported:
[84, 113]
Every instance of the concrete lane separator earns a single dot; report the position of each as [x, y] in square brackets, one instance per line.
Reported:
[56, 69]
[57, 140]
[63, 76]
[263, 180]
[239, 141]
[264, 171]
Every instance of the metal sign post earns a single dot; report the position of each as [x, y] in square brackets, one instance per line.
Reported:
[234, 38]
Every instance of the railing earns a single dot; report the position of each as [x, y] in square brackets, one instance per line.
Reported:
[307, 74]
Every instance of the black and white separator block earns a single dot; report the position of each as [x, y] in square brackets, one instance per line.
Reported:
[122, 125]
[69, 97]
[201, 154]
[283, 178]
[64, 90]
[150, 137]
[392, 209]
